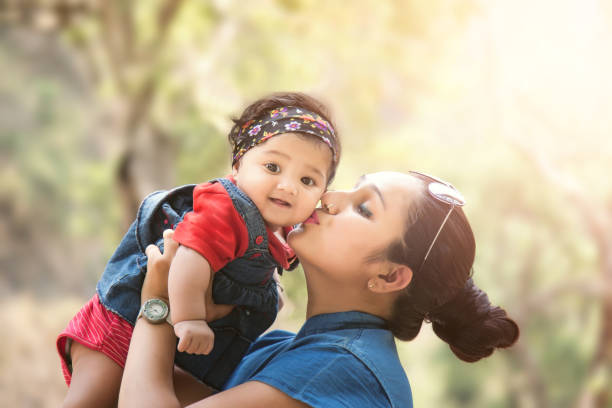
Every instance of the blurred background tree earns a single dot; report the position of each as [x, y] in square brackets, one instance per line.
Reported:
[102, 102]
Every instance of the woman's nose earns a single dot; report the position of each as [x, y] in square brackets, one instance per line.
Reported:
[333, 202]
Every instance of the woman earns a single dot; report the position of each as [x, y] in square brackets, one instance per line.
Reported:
[379, 260]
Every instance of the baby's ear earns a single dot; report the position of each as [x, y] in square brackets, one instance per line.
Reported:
[235, 169]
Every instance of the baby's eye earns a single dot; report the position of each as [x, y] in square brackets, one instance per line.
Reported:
[272, 167]
[308, 181]
[363, 210]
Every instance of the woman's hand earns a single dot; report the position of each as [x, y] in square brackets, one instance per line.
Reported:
[147, 377]
[156, 280]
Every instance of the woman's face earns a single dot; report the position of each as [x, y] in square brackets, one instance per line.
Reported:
[358, 224]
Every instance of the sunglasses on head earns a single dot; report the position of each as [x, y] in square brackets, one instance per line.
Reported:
[444, 192]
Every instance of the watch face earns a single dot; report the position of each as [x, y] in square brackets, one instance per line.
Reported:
[155, 310]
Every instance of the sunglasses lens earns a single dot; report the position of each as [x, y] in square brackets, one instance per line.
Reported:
[446, 193]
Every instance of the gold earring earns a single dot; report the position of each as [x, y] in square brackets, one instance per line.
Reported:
[370, 285]
[329, 208]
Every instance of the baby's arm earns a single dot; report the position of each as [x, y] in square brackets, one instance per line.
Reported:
[189, 279]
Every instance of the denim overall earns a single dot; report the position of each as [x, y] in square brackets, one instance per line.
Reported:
[245, 282]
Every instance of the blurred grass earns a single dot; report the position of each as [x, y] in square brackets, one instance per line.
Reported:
[31, 373]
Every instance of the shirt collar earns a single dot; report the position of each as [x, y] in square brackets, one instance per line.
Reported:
[340, 321]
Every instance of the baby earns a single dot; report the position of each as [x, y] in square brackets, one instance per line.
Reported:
[232, 233]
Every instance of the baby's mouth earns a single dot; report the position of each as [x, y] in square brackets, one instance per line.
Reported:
[279, 202]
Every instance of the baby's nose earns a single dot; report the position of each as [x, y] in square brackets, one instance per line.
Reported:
[288, 186]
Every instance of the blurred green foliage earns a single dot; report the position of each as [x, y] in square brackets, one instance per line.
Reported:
[437, 86]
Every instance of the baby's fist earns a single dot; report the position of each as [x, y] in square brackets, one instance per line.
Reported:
[195, 337]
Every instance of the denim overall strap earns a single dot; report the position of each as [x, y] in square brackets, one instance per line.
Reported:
[258, 235]
[246, 280]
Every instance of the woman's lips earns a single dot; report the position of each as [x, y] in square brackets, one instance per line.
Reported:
[313, 219]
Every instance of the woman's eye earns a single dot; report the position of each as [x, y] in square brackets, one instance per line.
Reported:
[273, 167]
[364, 211]
[308, 181]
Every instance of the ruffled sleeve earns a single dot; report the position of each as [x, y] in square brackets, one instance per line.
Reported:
[214, 228]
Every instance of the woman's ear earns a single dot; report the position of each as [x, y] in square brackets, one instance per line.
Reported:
[397, 279]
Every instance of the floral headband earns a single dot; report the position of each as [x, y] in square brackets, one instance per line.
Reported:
[281, 120]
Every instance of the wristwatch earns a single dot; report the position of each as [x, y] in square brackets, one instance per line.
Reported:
[155, 311]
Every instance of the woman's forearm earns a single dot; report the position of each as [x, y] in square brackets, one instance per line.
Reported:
[148, 375]
[252, 394]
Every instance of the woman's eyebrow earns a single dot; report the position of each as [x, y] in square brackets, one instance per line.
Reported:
[372, 187]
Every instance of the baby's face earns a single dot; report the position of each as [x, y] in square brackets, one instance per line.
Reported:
[285, 177]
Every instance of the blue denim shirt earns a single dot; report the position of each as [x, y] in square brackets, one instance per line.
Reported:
[346, 359]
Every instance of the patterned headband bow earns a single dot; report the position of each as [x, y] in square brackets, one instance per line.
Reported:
[281, 120]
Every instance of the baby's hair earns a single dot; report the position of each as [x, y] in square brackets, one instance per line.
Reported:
[443, 291]
[285, 99]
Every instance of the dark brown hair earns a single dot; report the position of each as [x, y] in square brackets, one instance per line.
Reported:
[286, 99]
[443, 291]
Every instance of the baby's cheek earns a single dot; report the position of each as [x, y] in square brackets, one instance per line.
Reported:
[311, 202]
[307, 207]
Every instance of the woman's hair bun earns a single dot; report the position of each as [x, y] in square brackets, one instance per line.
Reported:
[471, 326]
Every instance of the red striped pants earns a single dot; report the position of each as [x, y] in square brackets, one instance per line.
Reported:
[99, 329]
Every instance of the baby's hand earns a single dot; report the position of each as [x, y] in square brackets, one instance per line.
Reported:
[195, 337]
